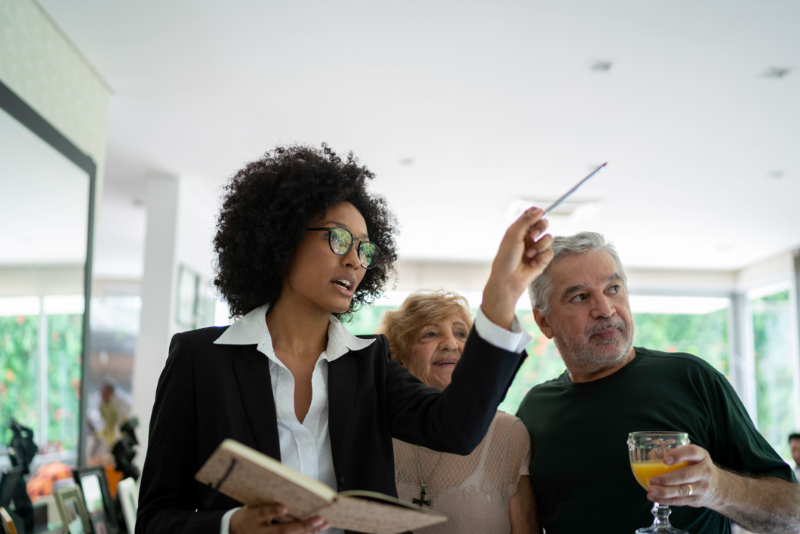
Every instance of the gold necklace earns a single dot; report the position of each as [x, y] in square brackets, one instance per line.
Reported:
[424, 487]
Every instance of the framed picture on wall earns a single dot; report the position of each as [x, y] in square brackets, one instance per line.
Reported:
[188, 282]
[72, 510]
[196, 303]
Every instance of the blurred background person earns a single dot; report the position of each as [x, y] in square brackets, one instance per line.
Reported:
[794, 445]
[487, 491]
[112, 409]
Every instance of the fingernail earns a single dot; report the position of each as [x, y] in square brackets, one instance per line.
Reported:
[282, 510]
[669, 460]
[653, 492]
[655, 481]
[317, 522]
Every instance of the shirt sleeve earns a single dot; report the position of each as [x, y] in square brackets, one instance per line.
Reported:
[225, 525]
[736, 444]
[518, 455]
[513, 340]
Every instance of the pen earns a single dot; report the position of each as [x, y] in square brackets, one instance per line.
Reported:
[568, 193]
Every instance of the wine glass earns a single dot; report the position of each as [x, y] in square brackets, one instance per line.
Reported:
[647, 450]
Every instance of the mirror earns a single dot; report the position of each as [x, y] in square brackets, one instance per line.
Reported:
[46, 192]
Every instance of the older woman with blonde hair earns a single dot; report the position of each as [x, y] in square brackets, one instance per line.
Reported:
[487, 491]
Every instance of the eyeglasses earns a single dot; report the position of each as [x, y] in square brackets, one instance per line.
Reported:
[341, 241]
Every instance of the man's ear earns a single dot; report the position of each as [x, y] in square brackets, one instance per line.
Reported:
[541, 321]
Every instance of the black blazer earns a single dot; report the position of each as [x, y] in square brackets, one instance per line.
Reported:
[208, 392]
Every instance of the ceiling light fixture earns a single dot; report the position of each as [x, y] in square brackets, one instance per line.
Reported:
[599, 65]
[570, 210]
[775, 72]
[776, 175]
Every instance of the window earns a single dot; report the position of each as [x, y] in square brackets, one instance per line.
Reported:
[697, 325]
[41, 342]
[776, 397]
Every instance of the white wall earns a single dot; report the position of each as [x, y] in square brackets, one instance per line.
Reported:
[180, 226]
[40, 64]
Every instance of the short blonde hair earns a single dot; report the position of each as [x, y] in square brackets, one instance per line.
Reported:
[420, 308]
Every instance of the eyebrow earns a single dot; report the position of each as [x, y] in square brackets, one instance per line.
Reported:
[342, 225]
[578, 287]
[436, 325]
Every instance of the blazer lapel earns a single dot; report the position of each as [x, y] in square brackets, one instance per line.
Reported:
[342, 378]
[255, 386]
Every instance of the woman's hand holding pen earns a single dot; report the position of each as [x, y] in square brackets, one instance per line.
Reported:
[261, 519]
[520, 259]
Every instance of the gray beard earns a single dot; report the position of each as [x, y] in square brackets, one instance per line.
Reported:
[582, 357]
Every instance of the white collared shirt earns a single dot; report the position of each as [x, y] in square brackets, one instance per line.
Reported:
[306, 446]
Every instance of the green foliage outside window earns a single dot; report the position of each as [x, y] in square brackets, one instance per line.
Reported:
[19, 385]
[65, 345]
[775, 396]
[705, 336]
[18, 365]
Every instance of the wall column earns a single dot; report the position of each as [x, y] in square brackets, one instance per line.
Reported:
[158, 284]
[742, 357]
[181, 219]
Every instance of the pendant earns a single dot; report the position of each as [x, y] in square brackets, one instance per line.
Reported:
[421, 501]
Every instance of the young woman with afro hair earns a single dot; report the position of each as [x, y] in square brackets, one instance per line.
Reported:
[300, 244]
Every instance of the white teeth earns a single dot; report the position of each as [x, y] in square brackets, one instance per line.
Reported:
[344, 283]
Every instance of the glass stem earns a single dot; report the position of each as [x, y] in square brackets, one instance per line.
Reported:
[661, 514]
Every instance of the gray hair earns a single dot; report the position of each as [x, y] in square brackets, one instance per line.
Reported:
[541, 289]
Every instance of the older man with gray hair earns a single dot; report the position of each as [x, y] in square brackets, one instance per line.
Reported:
[579, 422]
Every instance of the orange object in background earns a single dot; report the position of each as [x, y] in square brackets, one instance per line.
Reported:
[42, 482]
[113, 476]
[644, 471]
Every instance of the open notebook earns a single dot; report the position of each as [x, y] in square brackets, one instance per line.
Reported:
[251, 477]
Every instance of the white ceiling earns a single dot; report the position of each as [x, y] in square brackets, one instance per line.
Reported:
[491, 101]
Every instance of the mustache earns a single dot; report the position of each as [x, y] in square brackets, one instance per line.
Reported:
[615, 322]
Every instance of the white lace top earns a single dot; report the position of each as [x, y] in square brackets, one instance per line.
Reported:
[472, 491]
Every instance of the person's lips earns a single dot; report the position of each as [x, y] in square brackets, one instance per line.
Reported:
[606, 334]
[345, 284]
[446, 361]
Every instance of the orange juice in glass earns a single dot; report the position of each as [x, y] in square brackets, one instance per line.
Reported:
[644, 471]
[646, 451]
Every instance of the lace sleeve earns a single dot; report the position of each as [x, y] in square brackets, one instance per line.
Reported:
[519, 455]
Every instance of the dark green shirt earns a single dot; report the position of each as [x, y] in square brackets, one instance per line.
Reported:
[579, 468]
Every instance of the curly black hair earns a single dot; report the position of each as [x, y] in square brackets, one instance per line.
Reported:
[265, 211]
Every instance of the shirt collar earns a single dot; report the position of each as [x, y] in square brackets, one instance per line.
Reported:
[252, 330]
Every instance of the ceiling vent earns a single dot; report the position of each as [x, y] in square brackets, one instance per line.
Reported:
[599, 65]
[775, 72]
[571, 210]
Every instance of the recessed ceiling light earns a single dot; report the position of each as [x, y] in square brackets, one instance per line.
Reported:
[599, 65]
[407, 161]
[775, 72]
[776, 175]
